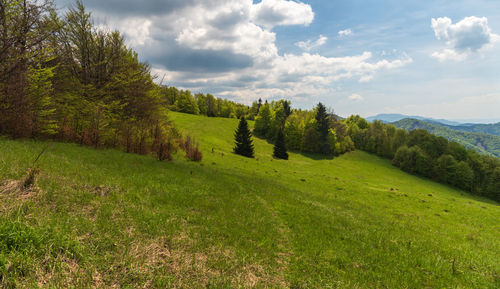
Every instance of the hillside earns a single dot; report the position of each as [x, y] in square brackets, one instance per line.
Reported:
[481, 142]
[393, 117]
[492, 128]
[112, 219]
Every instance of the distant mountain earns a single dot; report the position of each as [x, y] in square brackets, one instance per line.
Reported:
[482, 142]
[493, 128]
[478, 120]
[393, 117]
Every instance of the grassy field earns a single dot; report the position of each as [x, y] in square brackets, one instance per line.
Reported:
[104, 218]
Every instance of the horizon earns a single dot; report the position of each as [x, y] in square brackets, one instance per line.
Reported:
[437, 60]
[459, 121]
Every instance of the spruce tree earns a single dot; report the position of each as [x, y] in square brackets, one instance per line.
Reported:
[280, 147]
[323, 128]
[243, 139]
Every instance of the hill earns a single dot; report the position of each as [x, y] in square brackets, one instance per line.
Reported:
[111, 219]
[387, 118]
[492, 128]
[481, 142]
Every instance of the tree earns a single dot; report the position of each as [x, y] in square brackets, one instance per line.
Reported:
[293, 133]
[186, 103]
[322, 126]
[445, 169]
[463, 176]
[404, 159]
[211, 106]
[287, 108]
[310, 140]
[263, 121]
[243, 140]
[280, 147]
[201, 101]
[25, 27]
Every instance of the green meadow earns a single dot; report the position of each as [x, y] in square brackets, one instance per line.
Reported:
[104, 218]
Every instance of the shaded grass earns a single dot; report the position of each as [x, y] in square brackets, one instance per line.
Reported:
[107, 218]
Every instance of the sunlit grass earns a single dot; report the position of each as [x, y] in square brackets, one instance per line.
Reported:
[107, 218]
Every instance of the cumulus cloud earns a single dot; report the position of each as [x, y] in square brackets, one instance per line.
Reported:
[308, 45]
[355, 97]
[345, 32]
[270, 13]
[227, 47]
[465, 37]
[449, 54]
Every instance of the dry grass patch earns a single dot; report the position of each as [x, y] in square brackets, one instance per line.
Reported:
[189, 268]
[13, 194]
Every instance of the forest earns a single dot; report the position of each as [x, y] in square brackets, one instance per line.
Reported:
[418, 152]
[469, 136]
[63, 78]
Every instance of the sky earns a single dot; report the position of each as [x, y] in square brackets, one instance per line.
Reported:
[434, 58]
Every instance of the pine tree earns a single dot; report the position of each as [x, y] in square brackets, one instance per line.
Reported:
[280, 147]
[323, 128]
[243, 139]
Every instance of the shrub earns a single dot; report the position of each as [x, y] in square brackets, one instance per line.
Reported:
[191, 147]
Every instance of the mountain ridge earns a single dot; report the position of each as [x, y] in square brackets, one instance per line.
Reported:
[485, 143]
[392, 117]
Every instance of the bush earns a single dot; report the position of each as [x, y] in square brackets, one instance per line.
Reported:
[192, 150]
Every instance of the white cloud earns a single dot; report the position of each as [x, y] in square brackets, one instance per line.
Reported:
[470, 35]
[449, 54]
[227, 47]
[468, 107]
[270, 13]
[345, 32]
[136, 30]
[308, 45]
[355, 97]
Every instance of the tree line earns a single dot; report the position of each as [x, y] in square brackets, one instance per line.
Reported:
[418, 152]
[63, 78]
[307, 131]
[205, 104]
[422, 153]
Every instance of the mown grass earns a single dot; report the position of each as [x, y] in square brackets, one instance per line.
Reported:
[105, 218]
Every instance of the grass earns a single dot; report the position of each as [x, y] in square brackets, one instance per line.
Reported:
[106, 218]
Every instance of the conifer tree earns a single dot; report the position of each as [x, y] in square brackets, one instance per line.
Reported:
[323, 128]
[243, 139]
[280, 147]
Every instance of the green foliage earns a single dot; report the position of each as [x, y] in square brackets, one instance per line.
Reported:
[43, 110]
[279, 151]
[211, 106]
[293, 133]
[311, 140]
[322, 223]
[428, 155]
[476, 139]
[186, 103]
[74, 82]
[323, 128]
[493, 128]
[243, 140]
[263, 121]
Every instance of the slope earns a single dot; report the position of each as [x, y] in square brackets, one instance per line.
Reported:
[107, 218]
[481, 142]
[492, 128]
[387, 118]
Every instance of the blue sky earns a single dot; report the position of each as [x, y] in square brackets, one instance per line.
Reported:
[358, 57]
